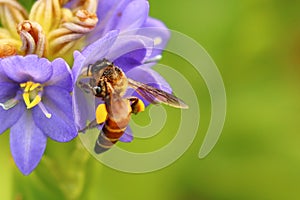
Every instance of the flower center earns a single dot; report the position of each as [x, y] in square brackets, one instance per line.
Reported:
[32, 96]
[32, 93]
[50, 30]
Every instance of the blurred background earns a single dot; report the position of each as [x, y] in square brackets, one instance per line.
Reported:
[256, 46]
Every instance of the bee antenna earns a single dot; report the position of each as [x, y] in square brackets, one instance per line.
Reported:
[152, 60]
[88, 69]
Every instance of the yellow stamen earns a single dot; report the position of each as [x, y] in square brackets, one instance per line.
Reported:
[34, 86]
[27, 86]
[157, 41]
[48, 115]
[26, 98]
[35, 102]
[22, 85]
[44, 110]
[30, 96]
[101, 114]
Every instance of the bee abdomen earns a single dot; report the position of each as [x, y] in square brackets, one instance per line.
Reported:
[107, 138]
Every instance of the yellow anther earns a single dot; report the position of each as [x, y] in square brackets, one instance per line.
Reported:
[101, 114]
[26, 98]
[30, 95]
[26, 86]
[22, 85]
[35, 102]
[34, 86]
[48, 115]
[157, 41]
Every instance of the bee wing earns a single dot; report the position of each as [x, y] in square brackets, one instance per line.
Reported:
[154, 95]
[127, 135]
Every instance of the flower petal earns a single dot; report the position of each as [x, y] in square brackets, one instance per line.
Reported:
[133, 16]
[3, 76]
[83, 107]
[106, 9]
[131, 59]
[79, 60]
[98, 50]
[60, 126]
[127, 135]
[132, 49]
[11, 116]
[27, 143]
[61, 76]
[119, 15]
[7, 91]
[28, 68]
[156, 30]
[8, 88]
[83, 103]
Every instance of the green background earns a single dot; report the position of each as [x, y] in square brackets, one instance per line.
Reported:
[256, 46]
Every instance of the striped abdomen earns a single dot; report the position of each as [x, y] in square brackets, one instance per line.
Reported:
[117, 120]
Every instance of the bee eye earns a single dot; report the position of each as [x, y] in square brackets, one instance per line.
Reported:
[117, 70]
[97, 90]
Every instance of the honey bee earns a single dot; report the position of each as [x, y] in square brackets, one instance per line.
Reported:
[109, 82]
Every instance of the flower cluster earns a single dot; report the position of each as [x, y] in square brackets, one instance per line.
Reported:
[39, 97]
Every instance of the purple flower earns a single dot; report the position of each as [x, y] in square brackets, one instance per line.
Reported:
[35, 104]
[129, 17]
[128, 52]
[140, 38]
[120, 15]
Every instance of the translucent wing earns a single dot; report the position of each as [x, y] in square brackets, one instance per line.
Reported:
[154, 95]
[127, 135]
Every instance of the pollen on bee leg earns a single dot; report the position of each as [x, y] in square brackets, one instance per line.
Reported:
[140, 106]
[101, 114]
[137, 105]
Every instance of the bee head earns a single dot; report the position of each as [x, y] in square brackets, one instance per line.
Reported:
[98, 66]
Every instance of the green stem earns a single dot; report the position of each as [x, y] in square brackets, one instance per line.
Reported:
[6, 167]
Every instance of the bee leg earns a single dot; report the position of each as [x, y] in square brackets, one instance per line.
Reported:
[101, 113]
[88, 88]
[85, 87]
[137, 105]
[91, 125]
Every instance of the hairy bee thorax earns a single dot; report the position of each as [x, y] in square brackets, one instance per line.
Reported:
[117, 79]
[107, 79]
